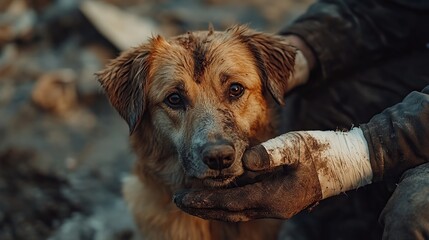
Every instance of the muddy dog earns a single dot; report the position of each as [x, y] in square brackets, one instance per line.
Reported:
[194, 103]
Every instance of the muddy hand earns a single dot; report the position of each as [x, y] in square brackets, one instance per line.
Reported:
[281, 195]
[275, 197]
[317, 165]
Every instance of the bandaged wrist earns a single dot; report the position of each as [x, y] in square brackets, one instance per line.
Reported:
[341, 159]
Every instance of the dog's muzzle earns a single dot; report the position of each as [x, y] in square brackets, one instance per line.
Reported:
[218, 156]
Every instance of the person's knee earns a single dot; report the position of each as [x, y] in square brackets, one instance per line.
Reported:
[406, 215]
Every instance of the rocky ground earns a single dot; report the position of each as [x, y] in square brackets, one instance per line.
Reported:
[63, 149]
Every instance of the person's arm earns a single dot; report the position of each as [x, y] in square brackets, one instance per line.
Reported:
[320, 164]
[348, 34]
[398, 138]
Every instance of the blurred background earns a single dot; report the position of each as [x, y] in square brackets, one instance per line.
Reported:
[63, 149]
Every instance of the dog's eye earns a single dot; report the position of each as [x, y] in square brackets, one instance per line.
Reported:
[236, 90]
[174, 101]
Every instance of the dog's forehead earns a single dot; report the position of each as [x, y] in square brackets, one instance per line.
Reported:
[203, 53]
[204, 47]
[191, 40]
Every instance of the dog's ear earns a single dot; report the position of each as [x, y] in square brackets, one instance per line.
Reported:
[274, 58]
[124, 81]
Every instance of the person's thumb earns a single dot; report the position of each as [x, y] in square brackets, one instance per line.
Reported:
[256, 159]
[284, 150]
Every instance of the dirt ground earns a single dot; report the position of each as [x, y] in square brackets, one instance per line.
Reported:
[63, 149]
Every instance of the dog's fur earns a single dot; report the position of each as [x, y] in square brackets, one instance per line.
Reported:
[179, 97]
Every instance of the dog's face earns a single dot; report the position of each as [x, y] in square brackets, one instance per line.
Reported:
[201, 97]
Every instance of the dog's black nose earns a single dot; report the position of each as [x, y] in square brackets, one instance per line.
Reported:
[219, 156]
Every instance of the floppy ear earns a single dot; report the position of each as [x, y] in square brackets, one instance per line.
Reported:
[274, 59]
[124, 81]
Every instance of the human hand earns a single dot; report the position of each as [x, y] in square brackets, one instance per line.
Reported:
[316, 165]
[281, 195]
[304, 61]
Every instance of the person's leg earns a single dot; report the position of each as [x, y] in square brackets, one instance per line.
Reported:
[341, 104]
[406, 215]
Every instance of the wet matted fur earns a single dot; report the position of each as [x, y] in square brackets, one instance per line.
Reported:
[187, 101]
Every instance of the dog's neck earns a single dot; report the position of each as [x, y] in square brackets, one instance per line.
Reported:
[159, 218]
[156, 215]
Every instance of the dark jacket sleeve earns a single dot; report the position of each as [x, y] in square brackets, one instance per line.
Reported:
[398, 138]
[347, 34]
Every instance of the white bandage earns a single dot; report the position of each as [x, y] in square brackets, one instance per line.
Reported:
[344, 164]
[341, 158]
